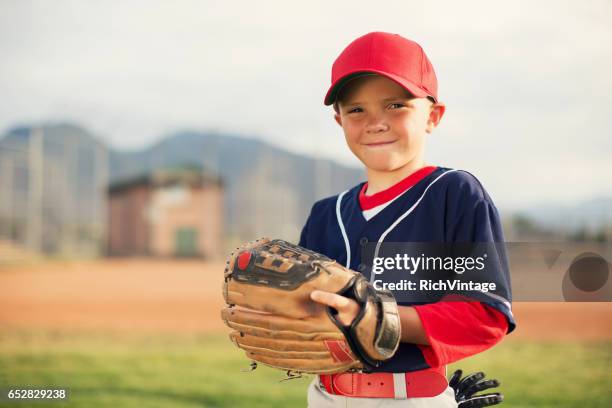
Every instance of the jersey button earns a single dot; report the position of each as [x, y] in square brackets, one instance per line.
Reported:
[363, 241]
[362, 267]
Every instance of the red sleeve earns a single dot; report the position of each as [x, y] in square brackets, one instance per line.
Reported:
[456, 330]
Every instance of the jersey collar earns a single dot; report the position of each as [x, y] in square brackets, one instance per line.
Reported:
[368, 202]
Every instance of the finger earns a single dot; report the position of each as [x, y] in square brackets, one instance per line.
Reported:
[481, 386]
[282, 345]
[319, 366]
[272, 349]
[482, 401]
[271, 325]
[340, 303]
[284, 334]
[468, 381]
[454, 380]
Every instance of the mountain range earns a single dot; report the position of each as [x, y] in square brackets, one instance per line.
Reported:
[268, 190]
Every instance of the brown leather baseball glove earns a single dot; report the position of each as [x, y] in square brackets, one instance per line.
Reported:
[267, 288]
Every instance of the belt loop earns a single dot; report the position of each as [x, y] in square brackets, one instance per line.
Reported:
[326, 380]
[399, 385]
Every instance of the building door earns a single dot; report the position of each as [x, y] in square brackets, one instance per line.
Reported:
[186, 242]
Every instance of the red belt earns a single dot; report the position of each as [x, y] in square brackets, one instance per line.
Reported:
[416, 384]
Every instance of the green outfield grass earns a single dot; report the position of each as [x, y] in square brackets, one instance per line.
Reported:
[119, 370]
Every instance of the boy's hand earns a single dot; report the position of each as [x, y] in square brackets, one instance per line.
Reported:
[347, 308]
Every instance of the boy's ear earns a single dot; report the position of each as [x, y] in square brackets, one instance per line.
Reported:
[435, 116]
[338, 119]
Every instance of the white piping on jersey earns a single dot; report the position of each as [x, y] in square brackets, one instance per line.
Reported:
[407, 213]
[500, 299]
[341, 224]
[388, 230]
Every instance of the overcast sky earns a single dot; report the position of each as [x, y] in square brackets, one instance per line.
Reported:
[527, 84]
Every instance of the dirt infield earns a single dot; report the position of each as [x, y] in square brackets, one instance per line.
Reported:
[185, 296]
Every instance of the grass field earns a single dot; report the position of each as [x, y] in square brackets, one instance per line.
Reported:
[147, 333]
[138, 370]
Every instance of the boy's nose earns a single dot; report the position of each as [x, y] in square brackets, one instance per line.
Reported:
[377, 126]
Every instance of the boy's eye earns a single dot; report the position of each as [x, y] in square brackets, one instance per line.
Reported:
[396, 105]
[354, 110]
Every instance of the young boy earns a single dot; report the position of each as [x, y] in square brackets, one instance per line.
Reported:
[384, 93]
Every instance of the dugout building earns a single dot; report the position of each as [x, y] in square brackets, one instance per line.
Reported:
[167, 213]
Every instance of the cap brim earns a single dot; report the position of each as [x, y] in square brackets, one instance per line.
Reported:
[335, 88]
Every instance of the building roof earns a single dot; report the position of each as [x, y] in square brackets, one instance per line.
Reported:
[193, 175]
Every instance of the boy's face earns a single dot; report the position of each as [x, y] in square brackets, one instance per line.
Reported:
[383, 124]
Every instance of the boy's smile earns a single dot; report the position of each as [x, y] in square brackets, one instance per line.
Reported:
[384, 125]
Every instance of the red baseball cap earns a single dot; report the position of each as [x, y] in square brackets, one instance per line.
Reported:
[390, 55]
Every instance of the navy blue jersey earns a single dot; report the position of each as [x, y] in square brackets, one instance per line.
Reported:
[445, 206]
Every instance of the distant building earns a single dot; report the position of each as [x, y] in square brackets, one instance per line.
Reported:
[173, 212]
